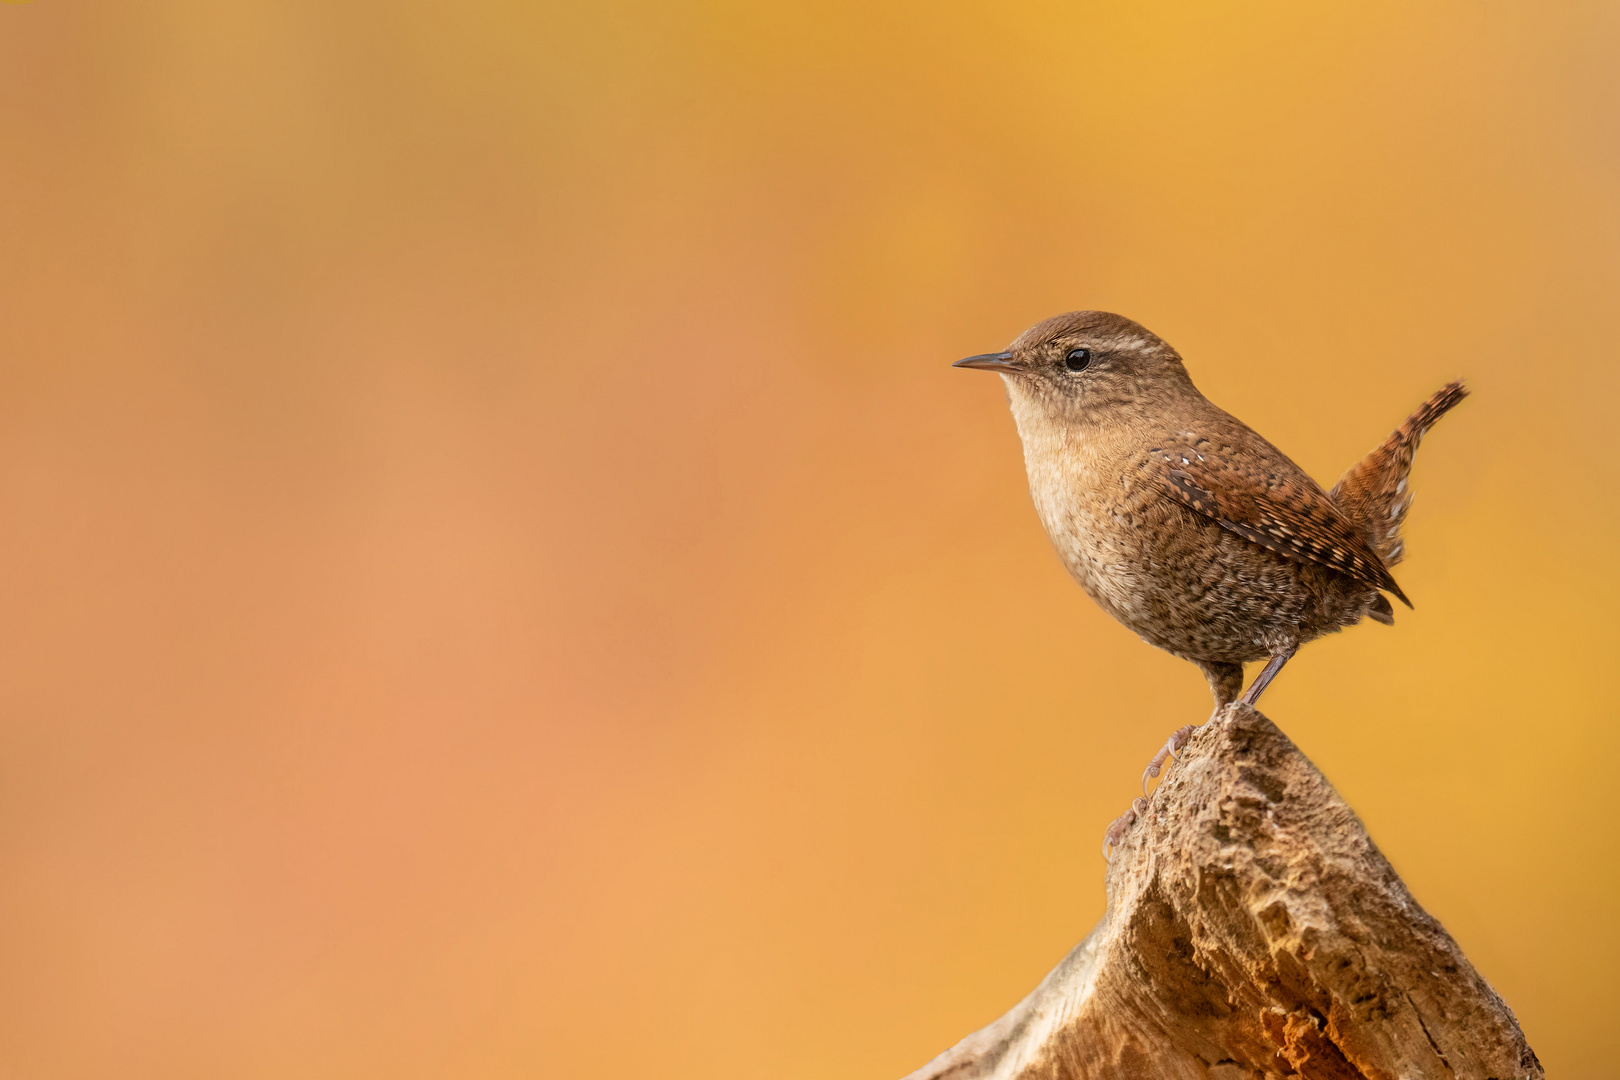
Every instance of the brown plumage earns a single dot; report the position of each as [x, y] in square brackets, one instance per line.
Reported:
[1181, 521]
[1373, 493]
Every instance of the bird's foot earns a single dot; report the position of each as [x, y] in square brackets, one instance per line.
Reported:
[1116, 831]
[1122, 824]
[1172, 747]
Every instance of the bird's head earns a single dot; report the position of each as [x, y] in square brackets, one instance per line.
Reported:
[1088, 367]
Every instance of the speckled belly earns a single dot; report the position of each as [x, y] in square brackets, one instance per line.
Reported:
[1195, 589]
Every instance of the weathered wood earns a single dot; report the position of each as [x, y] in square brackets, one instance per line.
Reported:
[1253, 930]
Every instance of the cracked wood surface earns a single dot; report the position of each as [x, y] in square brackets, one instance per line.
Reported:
[1253, 930]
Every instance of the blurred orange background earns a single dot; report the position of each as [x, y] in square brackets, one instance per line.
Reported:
[497, 578]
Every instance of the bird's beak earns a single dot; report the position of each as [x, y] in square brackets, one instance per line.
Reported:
[990, 361]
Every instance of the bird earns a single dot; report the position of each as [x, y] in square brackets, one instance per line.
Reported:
[1186, 525]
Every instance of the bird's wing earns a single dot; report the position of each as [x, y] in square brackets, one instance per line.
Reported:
[1259, 494]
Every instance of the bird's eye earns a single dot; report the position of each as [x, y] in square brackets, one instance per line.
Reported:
[1077, 359]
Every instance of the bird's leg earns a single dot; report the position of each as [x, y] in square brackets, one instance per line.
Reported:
[1263, 680]
[1225, 683]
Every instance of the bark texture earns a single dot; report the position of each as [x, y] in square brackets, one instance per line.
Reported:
[1253, 930]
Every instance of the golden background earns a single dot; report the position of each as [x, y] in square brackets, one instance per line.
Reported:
[497, 578]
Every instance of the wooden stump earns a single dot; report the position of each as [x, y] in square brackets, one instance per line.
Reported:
[1253, 930]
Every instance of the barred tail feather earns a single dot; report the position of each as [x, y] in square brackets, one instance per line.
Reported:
[1374, 492]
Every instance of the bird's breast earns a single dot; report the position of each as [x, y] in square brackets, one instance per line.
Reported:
[1095, 518]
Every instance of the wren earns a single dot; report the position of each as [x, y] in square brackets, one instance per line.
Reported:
[1183, 523]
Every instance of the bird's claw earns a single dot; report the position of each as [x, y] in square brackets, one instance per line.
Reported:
[1154, 766]
[1116, 831]
[1172, 748]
